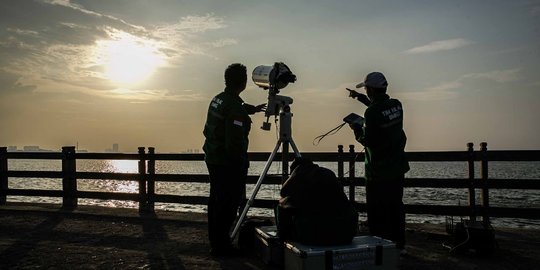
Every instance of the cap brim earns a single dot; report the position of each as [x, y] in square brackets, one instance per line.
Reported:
[360, 85]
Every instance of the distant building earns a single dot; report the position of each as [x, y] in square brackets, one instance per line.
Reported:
[191, 151]
[34, 148]
[31, 148]
[115, 148]
[12, 148]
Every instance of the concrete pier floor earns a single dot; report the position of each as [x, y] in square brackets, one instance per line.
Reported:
[41, 236]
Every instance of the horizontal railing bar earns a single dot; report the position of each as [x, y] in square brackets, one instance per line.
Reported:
[513, 155]
[177, 156]
[450, 210]
[253, 156]
[179, 178]
[201, 200]
[35, 174]
[437, 156]
[122, 196]
[108, 156]
[507, 212]
[166, 198]
[510, 183]
[436, 183]
[34, 155]
[34, 192]
[268, 180]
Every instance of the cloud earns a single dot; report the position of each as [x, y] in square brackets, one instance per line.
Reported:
[141, 96]
[445, 86]
[81, 9]
[500, 76]
[223, 42]
[428, 95]
[447, 90]
[10, 83]
[197, 24]
[177, 38]
[22, 32]
[441, 45]
[57, 41]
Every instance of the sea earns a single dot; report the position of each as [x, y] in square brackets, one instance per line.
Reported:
[436, 196]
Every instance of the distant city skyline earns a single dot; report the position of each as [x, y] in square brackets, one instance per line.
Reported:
[115, 149]
[142, 73]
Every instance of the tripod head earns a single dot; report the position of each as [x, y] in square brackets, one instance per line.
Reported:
[276, 104]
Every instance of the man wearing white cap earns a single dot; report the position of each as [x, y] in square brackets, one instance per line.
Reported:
[385, 162]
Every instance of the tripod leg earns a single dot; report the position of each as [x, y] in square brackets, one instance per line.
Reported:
[296, 152]
[257, 187]
[284, 161]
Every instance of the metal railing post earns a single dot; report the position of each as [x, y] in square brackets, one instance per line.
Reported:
[485, 184]
[3, 175]
[352, 159]
[472, 191]
[69, 180]
[151, 179]
[142, 180]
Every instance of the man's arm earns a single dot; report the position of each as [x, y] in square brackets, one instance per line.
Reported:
[359, 96]
[251, 109]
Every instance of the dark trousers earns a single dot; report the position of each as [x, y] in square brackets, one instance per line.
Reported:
[227, 190]
[385, 209]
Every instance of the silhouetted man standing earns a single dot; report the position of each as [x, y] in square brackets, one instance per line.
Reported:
[226, 131]
[385, 162]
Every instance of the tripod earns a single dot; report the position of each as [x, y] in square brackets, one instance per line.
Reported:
[285, 138]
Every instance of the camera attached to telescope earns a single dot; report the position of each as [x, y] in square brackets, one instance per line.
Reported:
[273, 78]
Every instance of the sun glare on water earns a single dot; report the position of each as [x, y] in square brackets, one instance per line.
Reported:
[129, 59]
[124, 166]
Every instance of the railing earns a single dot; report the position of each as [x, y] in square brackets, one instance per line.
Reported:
[147, 178]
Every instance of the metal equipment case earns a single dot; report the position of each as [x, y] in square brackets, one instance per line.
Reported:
[365, 252]
[267, 245]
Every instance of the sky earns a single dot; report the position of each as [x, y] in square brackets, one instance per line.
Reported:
[142, 73]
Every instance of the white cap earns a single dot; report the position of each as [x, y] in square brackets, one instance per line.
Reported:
[375, 80]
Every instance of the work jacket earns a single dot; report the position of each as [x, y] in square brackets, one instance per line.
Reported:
[384, 139]
[226, 131]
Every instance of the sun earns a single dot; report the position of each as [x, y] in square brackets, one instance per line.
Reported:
[129, 59]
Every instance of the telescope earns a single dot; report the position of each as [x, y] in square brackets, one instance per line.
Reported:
[273, 78]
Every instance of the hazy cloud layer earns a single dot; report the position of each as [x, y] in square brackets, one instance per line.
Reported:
[441, 45]
[59, 43]
[10, 83]
[447, 90]
[63, 63]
